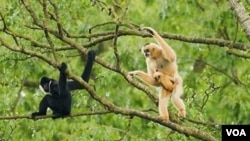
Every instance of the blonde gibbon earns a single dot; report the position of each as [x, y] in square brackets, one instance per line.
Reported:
[161, 58]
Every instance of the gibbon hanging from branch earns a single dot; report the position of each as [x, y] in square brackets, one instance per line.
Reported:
[161, 62]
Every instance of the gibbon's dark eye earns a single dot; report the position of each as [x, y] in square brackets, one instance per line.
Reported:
[146, 52]
[44, 88]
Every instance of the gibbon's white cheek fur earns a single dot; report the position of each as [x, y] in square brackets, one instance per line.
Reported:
[41, 88]
[46, 87]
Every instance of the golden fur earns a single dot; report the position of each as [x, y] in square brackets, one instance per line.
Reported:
[162, 58]
[168, 85]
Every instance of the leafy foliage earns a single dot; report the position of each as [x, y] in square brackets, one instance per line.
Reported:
[215, 78]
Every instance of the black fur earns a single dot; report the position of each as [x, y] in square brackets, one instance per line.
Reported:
[59, 98]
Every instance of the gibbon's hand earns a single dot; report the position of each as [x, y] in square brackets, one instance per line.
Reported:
[63, 67]
[132, 74]
[148, 29]
[91, 55]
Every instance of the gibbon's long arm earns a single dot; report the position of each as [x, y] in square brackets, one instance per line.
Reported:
[73, 85]
[145, 77]
[169, 53]
[63, 88]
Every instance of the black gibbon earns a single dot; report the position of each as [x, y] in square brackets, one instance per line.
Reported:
[59, 97]
[162, 58]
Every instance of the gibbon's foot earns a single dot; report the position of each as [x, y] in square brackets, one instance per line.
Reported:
[164, 118]
[130, 75]
[182, 113]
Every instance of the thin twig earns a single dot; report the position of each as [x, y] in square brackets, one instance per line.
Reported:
[46, 32]
[58, 19]
[115, 48]
[13, 106]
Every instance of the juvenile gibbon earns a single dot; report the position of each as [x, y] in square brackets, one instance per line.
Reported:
[162, 58]
[167, 85]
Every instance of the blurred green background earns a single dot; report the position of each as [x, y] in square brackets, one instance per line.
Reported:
[215, 81]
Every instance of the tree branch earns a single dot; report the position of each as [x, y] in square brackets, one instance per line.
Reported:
[28, 52]
[189, 39]
[242, 15]
[97, 38]
[50, 116]
[45, 22]
[13, 107]
[113, 108]
[130, 112]
[115, 48]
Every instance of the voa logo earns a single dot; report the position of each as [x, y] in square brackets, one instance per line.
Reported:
[236, 132]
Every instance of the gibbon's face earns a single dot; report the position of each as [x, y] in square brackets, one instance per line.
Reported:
[157, 76]
[45, 84]
[150, 50]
